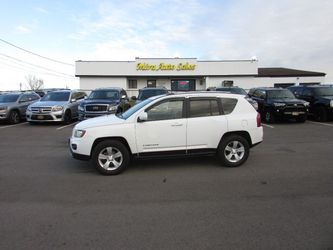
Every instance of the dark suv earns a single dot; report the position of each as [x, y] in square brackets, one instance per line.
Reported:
[104, 101]
[145, 93]
[278, 103]
[320, 98]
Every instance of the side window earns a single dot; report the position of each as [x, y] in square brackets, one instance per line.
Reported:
[81, 95]
[24, 98]
[166, 110]
[201, 108]
[228, 105]
[260, 94]
[123, 93]
[75, 95]
[33, 97]
[307, 92]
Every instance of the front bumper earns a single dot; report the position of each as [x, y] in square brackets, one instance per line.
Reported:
[87, 115]
[45, 117]
[4, 116]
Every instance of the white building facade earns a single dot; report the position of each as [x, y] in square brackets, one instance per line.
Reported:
[187, 74]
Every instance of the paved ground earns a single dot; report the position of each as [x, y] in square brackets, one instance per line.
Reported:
[282, 198]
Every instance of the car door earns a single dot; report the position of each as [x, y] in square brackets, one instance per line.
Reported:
[23, 104]
[205, 124]
[165, 128]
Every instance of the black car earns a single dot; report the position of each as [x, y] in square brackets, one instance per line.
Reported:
[104, 101]
[320, 98]
[278, 103]
[145, 93]
[237, 91]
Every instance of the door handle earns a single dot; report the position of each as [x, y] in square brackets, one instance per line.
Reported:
[177, 125]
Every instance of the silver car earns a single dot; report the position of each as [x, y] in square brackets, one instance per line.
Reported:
[56, 106]
[13, 105]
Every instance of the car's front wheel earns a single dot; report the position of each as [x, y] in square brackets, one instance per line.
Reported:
[110, 157]
[67, 117]
[233, 150]
[14, 117]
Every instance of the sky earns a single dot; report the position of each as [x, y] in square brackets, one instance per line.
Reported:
[279, 33]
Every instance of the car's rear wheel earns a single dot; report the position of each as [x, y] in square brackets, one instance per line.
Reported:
[233, 150]
[110, 157]
[67, 117]
[14, 117]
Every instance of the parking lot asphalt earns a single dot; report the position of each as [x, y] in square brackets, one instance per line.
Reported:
[282, 198]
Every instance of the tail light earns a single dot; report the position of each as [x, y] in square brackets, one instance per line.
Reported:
[258, 120]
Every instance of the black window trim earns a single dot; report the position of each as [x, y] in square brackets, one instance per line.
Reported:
[184, 111]
[219, 103]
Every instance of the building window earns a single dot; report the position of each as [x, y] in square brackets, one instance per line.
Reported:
[132, 84]
[227, 83]
[151, 83]
[183, 85]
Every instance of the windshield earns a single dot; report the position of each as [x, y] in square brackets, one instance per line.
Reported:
[56, 97]
[104, 94]
[238, 91]
[144, 94]
[280, 94]
[9, 98]
[135, 108]
[323, 91]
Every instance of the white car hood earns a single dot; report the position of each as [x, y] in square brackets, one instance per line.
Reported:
[99, 121]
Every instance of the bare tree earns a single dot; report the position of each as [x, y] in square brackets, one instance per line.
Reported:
[34, 83]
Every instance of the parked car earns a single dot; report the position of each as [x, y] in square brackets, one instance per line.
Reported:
[42, 92]
[13, 105]
[238, 91]
[279, 103]
[56, 106]
[320, 98]
[145, 93]
[104, 101]
[172, 125]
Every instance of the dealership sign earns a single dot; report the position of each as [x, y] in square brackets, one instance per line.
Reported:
[164, 67]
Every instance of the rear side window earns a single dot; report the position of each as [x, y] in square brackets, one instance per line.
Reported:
[201, 108]
[228, 105]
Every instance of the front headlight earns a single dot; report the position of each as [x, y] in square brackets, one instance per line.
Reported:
[81, 108]
[331, 104]
[113, 108]
[57, 108]
[278, 104]
[79, 133]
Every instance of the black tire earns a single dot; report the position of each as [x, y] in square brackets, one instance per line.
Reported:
[320, 114]
[301, 119]
[108, 149]
[67, 117]
[269, 117]
[14, 117]
[233, 150]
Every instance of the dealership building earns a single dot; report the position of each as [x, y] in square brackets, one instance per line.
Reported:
[188, 74]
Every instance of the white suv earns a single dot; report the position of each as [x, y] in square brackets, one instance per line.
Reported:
[219, 124]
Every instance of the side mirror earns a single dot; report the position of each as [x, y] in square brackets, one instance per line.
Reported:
[73, 100]
[133, 98]
[143, 117]
[85, 97]
[123, 97]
